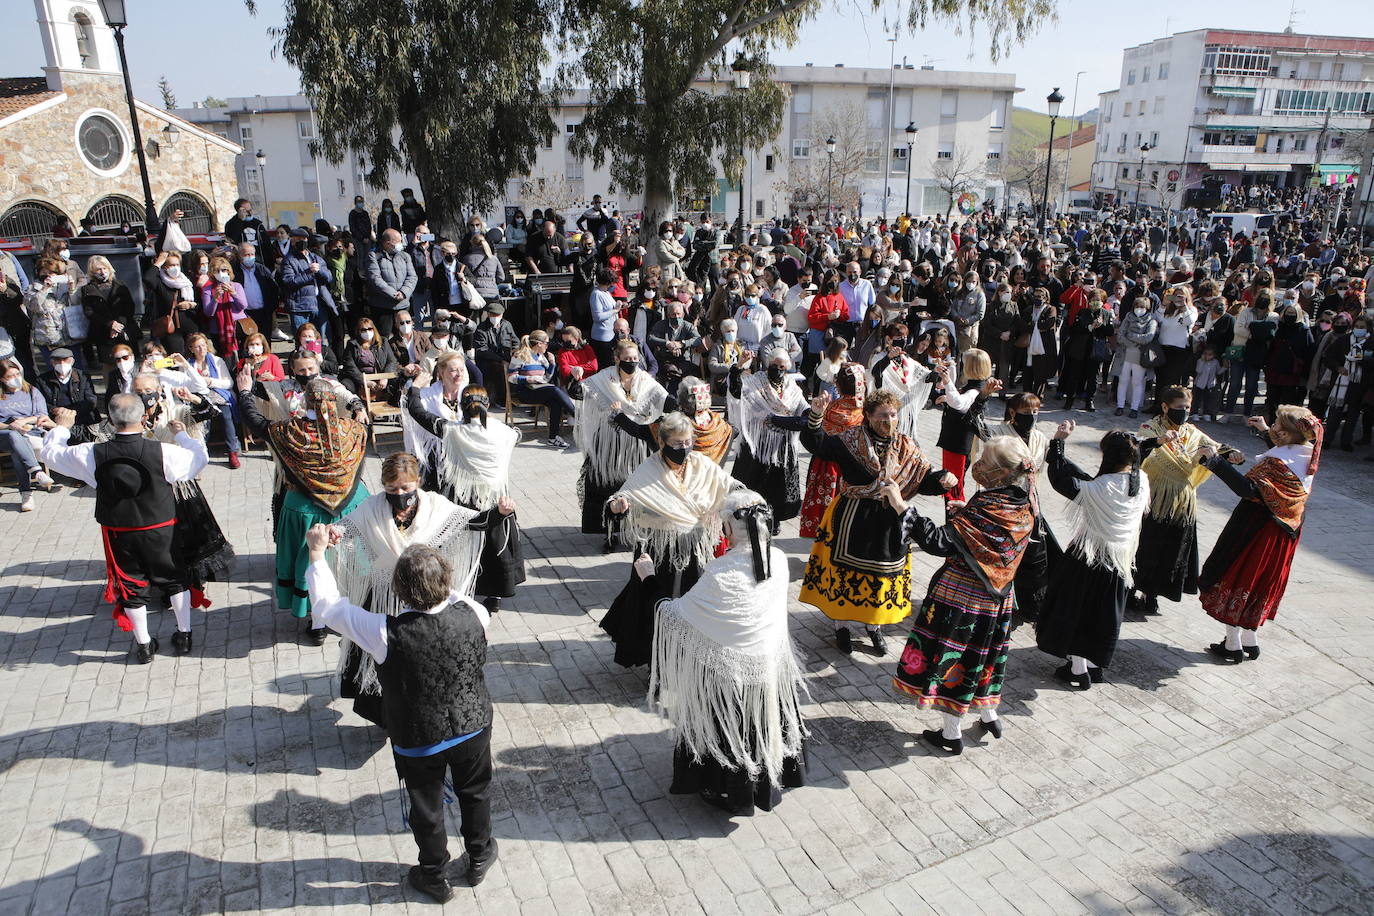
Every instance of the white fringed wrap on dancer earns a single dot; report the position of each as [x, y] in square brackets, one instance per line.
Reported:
[749, 414]
[611, 455]
[1105, 520]
[907, 378]
[474, 462]
[676, 517]
[723, 667]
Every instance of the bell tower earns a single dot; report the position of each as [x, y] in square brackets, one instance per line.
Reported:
[75, 40]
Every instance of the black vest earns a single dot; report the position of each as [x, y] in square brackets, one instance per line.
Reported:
[155, 505]
[432, 683]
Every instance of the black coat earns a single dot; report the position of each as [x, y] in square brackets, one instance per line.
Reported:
[352, 368]
[76, 393]
[117, 304]
[271, 293]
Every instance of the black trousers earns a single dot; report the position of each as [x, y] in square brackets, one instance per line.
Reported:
[147, 557]
[605, 352]
[470, 764]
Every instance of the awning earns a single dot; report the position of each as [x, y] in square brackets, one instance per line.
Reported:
[1261, 167]
[1228, 127]
[1233, 92]
[1224, 166]
[1339, 169]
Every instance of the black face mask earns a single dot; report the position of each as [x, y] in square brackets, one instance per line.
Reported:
[629, 366]
[776, 373]
[1177, 415]
[399, 502]
[304, 380]
[677, 454]
[149, 398]
[1023, 423]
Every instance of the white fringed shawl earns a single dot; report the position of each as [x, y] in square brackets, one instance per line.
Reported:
[475, 462]
[365, 559]
[419, 441]
[907, 380]
[677, 519]
[1105, 521]
[612, 454]
[723, 668]
[758, 401]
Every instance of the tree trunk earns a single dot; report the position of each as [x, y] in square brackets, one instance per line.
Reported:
[659, 204]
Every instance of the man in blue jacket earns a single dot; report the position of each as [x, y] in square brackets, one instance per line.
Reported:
[300, 274]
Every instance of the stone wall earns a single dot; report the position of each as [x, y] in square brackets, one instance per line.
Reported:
[39, 159]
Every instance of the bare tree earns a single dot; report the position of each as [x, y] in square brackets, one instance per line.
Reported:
[1024, 172]
[550, 190]
[959, 173]
[813, 182]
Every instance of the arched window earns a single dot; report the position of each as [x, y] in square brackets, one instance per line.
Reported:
[30, 220]
[196, 218]
[85, 41]
[111, 212]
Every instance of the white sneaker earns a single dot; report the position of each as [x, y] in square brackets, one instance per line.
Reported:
[1221, 418]
[43, 480]
[27, 504]
[279, 334]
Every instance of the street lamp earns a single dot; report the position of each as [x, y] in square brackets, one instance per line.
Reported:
[1140, 176]
[117, 18]
[910, 142]
[742, 75]
[1054, 100]
[261, 158]
[829, 176]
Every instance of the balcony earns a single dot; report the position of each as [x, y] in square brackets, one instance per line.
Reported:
[1247, 157]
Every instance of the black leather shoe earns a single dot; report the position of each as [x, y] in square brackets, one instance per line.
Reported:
[1251, 652]
[316, 635]
[1089, 407]
[875, 636]
[435, 886]
[843, 641]
[993, 728]
[478, 868]
[1097, 675]
[181, 642]
[145, 651]
[1079, 681]
[953, 746]
[491, 604]
[1234, 656]
[1150, 606]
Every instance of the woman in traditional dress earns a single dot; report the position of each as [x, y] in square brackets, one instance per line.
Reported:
[725, 674]
[911, 381]
[1166, 562]
[822, 477]
[609, 453]
[767, 407]
[711, 434]
[319, 455]
[367, 543]
[956, 656]
[668, 512]
[468, 460]
[860, 565]
[1081, 617]
[961, 417]
[1246, 574]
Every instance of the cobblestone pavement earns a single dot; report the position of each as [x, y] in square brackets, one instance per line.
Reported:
[234, 780]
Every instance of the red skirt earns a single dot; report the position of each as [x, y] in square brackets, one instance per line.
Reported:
[822, 480]
[1249, 591]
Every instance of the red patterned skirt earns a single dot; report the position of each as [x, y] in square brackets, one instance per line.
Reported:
[1246, 591]
[822, 480]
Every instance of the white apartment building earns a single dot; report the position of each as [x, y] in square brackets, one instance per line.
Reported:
[959, 116]
[1222, 107]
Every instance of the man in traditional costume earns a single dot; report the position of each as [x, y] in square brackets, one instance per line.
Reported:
[767, 408]
[1086, 600]
[667, 512]
[860, 565]
[823, 477]
[1246, 574]
[369, 540]
[956, 656]
[724, 671]
[1166, 562]
[133, 477]
[320, 455]
[711, 434]
[609, 453]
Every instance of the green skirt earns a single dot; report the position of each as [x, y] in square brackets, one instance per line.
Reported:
[298, 514]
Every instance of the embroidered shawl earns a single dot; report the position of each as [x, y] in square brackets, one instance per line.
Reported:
[1174, 471]
[323, 457]
[610, 453]
[842, 414]
[903, 465]
[992, 531]
[758, 401]
[712, 438]
[1281, 490]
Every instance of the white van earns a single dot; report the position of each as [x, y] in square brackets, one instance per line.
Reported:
[1248, 223]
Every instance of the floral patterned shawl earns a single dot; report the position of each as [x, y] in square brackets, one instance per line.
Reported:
[992, 531]
[323, 457]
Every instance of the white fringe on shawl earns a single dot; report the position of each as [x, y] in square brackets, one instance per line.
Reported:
[723, 668]
[365, 559]
[1105, 521]
[613, 455]
[908, 382]
[758, 401]
[676, 519]
[1038, 444]
[419, 441]
[475, 462]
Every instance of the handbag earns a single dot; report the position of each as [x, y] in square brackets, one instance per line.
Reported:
[168, 324]
[1153, 356]
[1234, 353]
[473, 298]
[78, 325]
[1102, 349]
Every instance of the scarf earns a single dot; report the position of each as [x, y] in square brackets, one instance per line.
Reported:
[676, 518]
[1174, 471]
[712, 438]
[180, 282]
[1283, 476]
[323, 457]
[992, 531]
[723, 667]
[419, 441]
[224, 323]
[749, 413]
[610, 453]
[903, 464]
[907, 378]
[474, 462]
[842, 414]
[366, 557]
[1037, 345]
[1105, 519]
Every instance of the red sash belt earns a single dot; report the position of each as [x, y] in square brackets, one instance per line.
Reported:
[118, 583]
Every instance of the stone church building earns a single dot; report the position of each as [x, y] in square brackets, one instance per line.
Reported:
[67, 150]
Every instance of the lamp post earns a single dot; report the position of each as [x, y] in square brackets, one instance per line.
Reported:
[1077, 126]
[1054, 100]
[829, 178]
[261, 158]
[1140, 176]
[910, 142]
[742, 75]
[117, 19]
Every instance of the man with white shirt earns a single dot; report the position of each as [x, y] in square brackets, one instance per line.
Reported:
[438, 711]
[134, 503]
[858, 295]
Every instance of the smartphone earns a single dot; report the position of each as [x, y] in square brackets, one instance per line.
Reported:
[165, 363]
[425, 237]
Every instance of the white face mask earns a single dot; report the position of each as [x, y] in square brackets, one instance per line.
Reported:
[204, 269]
[222, 276]
[173, 270]
[126, 364]
[63, 369]
[65, 253]
[101, 276]
[366, 335]
[13, 383]
[255, 350]
[1005, 297]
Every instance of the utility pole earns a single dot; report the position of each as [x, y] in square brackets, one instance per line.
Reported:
[1077, 126]
[1317, 160]
[887, 122]
[1364, 192]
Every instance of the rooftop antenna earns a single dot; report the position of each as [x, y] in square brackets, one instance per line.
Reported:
[1293, 13]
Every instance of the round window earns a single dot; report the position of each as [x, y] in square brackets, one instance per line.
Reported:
[102, 145]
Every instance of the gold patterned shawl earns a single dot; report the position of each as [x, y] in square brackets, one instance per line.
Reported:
[323, 457]
[1174, 470]
[904, 464]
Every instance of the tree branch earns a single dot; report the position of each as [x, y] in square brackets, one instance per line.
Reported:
[766, 18]
[727, 31]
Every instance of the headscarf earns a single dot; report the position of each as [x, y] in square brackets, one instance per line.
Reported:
[992, 531]
[321, 457]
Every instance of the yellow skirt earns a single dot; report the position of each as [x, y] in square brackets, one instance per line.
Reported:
[847, 594]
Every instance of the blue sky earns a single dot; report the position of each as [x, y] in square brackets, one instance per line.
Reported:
[1089, 36]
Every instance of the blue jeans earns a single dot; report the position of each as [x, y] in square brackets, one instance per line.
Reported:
[1251, 376]
[319, 319]
[550, 396]
[22, 456]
